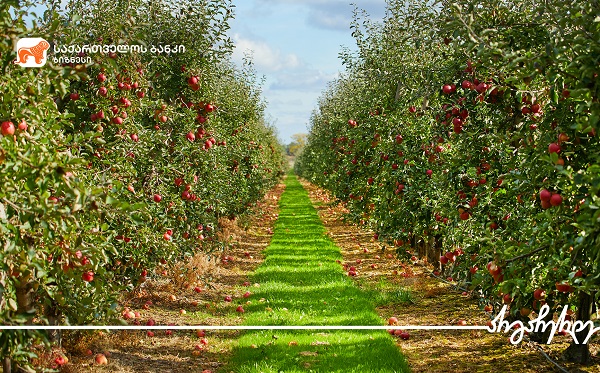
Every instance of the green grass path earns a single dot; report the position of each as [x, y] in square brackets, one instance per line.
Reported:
[300, 284]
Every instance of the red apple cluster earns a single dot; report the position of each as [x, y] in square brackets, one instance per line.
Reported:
[549, 199]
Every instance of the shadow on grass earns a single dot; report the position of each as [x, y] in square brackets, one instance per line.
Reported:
[302, 351]
[300, 284]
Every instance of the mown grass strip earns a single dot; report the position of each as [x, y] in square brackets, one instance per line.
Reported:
[300, 284]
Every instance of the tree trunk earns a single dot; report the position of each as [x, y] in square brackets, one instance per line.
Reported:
[53, 316]
[6, 365]
[434, 250]
[580, 353]
[414, 243]
[542, 336]
[24, 292]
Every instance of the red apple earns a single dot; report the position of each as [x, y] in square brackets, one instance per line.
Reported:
[539, 294]
[481, 87]
[554, 148]
[101, 359]
[556, 200]
[545, 195]
[448, 89]
[563, 287]
[22, 125]
[563, 137]
[88, 276]
[493, 268]
[61, 360]
[240, 309]
[8, 128]
[393, 321]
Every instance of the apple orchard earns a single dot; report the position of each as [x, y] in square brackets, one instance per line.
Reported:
[464, 137]
[111, 171]
[471, 138]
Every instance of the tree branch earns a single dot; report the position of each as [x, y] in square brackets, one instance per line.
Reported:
[526, 254]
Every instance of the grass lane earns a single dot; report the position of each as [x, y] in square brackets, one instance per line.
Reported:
[300, 284]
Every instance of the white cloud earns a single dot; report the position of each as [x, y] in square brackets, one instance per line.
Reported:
[265, 58]
[286, 71]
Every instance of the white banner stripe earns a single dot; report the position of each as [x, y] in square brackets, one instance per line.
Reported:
[239, 327]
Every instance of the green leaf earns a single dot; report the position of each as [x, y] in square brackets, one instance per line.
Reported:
[12, 304]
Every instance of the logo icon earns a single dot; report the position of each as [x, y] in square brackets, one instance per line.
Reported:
[31, 52]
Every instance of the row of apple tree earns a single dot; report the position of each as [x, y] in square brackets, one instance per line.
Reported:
[472, 127]
[114, 162]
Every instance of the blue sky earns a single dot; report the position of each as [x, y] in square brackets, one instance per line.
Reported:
[295, 46]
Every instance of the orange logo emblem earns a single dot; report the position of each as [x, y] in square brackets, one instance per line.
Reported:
[31, 52]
